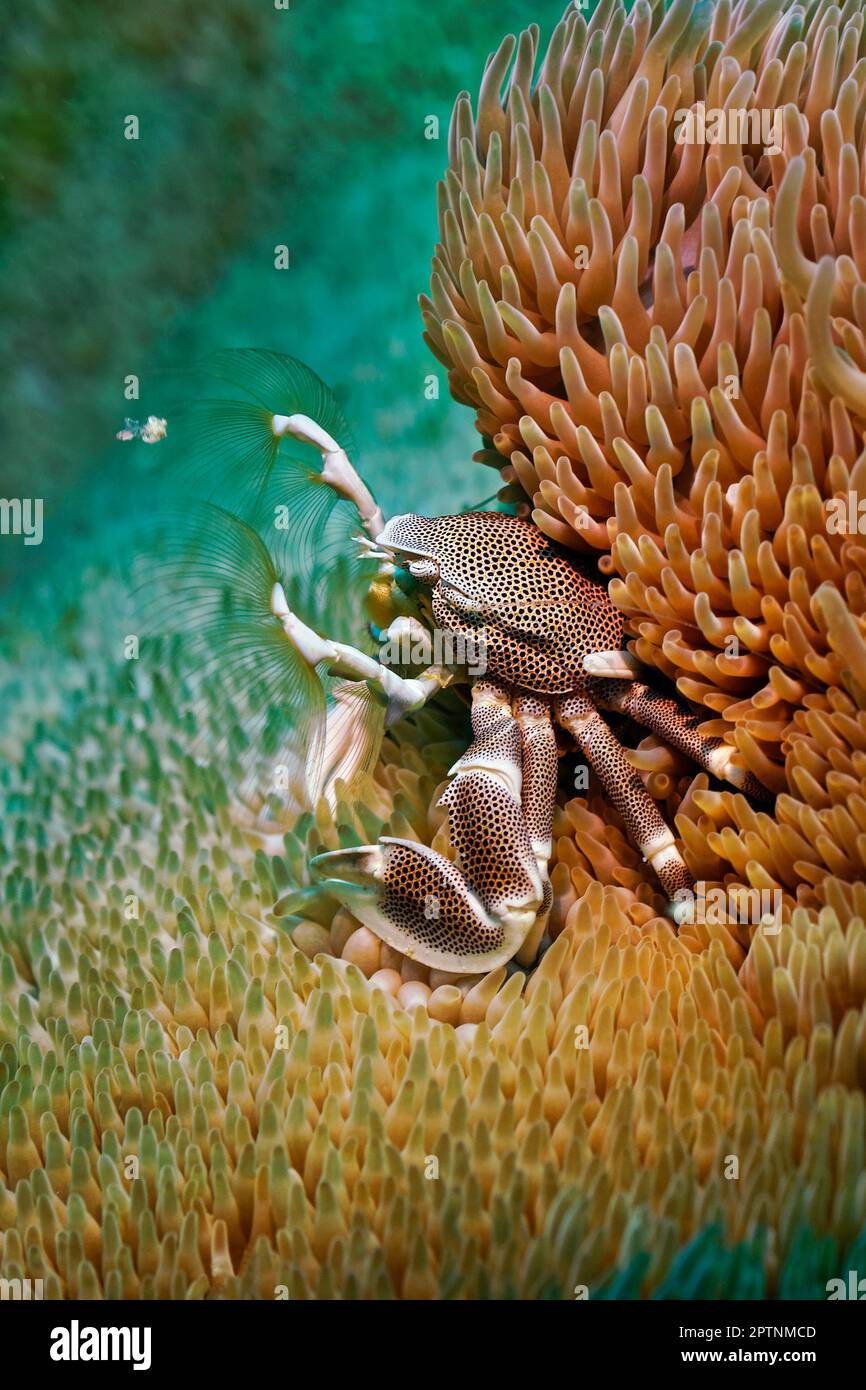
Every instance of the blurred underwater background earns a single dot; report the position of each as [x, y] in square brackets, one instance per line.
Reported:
[258, 128]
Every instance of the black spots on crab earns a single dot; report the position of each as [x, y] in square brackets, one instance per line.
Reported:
[428, 905]
[541, 611]
[495, 852]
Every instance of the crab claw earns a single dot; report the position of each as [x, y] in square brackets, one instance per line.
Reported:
[352, 876]
[418, 902]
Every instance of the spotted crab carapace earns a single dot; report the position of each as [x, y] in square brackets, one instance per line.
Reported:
[554, 655]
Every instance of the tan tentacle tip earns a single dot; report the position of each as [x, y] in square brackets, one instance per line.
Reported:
[732, 493]
[619, 665]
[722, 765]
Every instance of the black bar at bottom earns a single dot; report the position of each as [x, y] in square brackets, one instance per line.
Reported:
[56, 1340]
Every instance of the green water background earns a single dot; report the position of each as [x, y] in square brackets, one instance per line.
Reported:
[258, 127]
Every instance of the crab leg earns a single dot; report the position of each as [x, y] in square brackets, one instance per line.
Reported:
[337, 471]
[486, 804]
[344, 481]
[677, 725]
[540, 767]
[369, 699]
[402, 694]
[627, 793]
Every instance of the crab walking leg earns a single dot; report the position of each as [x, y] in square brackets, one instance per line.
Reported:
[627, 792]
[402, 694]
[540, 767]
[677, 725]
[337, 471]
[485, 803]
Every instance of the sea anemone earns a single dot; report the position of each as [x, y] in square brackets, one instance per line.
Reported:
[663, 336]
[192, 1107]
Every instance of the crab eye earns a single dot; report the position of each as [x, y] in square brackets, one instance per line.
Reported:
[427, 571]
